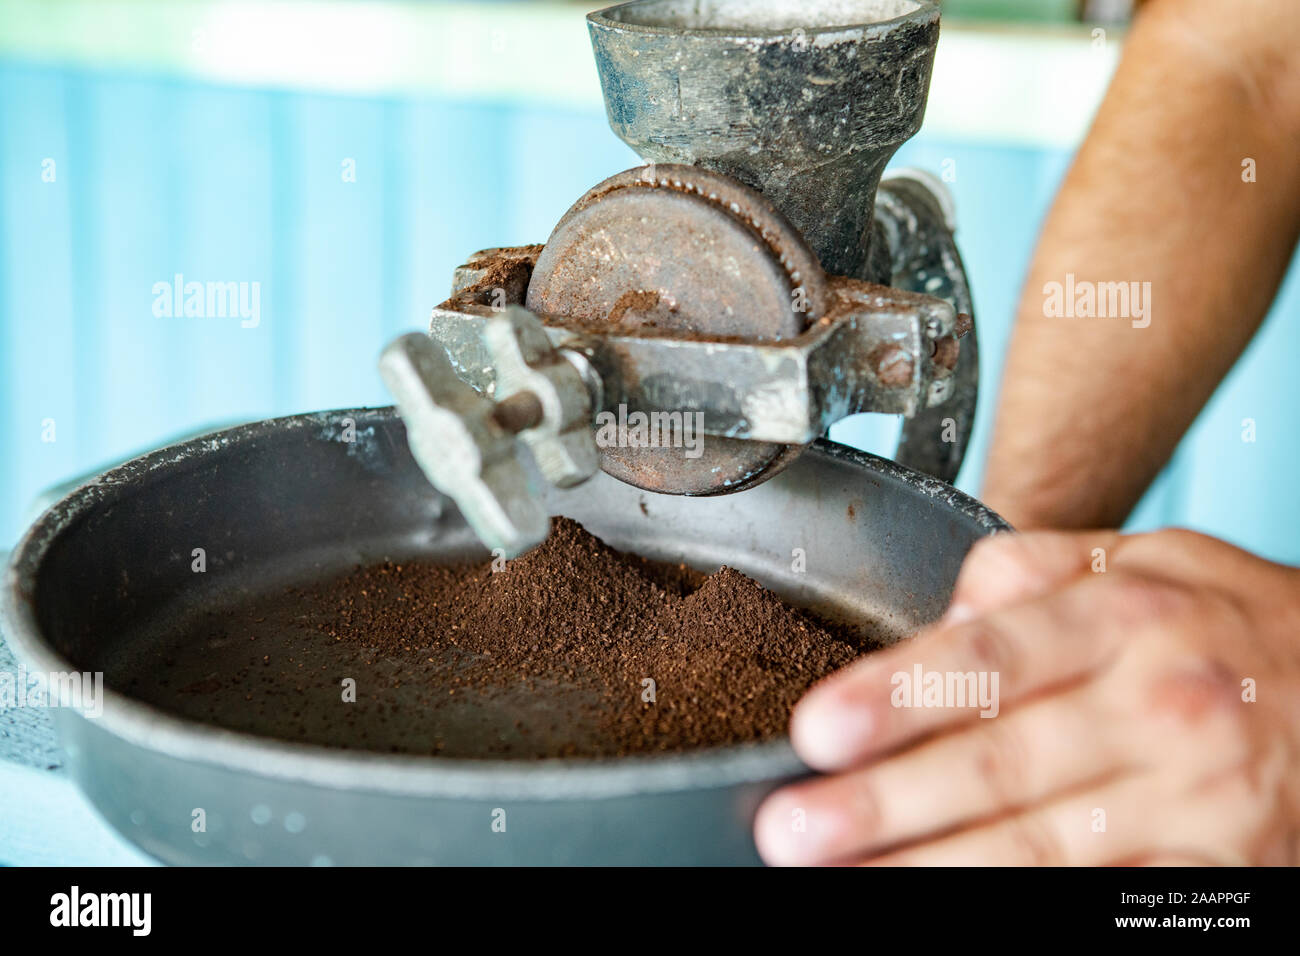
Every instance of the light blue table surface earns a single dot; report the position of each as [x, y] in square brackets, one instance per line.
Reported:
[44, 819]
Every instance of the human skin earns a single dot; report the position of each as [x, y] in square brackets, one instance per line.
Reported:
[1091, 408]
[1149, 685]
[1163, 692]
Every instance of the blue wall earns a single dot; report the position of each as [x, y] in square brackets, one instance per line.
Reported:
[155, 177]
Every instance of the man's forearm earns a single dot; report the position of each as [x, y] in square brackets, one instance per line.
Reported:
[1093, 403]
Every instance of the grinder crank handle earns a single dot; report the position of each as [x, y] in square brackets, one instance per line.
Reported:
[465, 443]
[468, 445]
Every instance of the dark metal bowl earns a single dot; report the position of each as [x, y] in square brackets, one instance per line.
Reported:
[291, 500]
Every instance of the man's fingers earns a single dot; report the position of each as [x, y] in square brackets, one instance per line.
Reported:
[1007, 569]
[901, 694]
[1044, 748]
[1168, 860]
[1110, 824]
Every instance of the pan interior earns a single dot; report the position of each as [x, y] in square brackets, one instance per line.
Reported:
[253, 658]
[251, 652]
[281, 504]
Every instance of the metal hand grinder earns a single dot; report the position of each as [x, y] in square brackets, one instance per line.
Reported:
[756, 278]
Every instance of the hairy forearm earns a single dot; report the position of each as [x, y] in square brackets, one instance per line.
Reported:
[1092, 405]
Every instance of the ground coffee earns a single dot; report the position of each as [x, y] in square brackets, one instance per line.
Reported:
[572, 650]
[604, 653]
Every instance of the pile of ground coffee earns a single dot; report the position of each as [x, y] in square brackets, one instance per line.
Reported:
[600, 653]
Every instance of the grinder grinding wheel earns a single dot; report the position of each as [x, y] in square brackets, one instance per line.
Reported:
[683, 250]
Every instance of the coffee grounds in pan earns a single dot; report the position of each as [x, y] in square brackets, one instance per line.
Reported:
[604, 653]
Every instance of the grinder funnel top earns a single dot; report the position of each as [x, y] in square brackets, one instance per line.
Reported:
[761, 18]
[805, 102]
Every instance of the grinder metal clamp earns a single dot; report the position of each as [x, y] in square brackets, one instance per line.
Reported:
[756, 275]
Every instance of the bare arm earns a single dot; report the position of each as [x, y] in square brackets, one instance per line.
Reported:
[1092, 408]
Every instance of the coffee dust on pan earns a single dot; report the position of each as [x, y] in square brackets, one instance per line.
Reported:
[669, 658]
[572, 650]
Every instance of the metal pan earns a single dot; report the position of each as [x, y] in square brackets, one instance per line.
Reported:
[105, 581]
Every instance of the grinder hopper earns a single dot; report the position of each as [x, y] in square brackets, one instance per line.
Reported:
[781, 95]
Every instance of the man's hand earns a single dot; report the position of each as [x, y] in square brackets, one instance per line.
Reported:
[1148, 713]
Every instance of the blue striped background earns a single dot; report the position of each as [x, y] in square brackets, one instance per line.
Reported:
[158, 176]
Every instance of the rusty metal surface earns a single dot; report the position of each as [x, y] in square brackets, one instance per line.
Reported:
[677, 288]
[682, 250]
[804, 101]
[786, 392]
[496, 277]
[711, 255]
